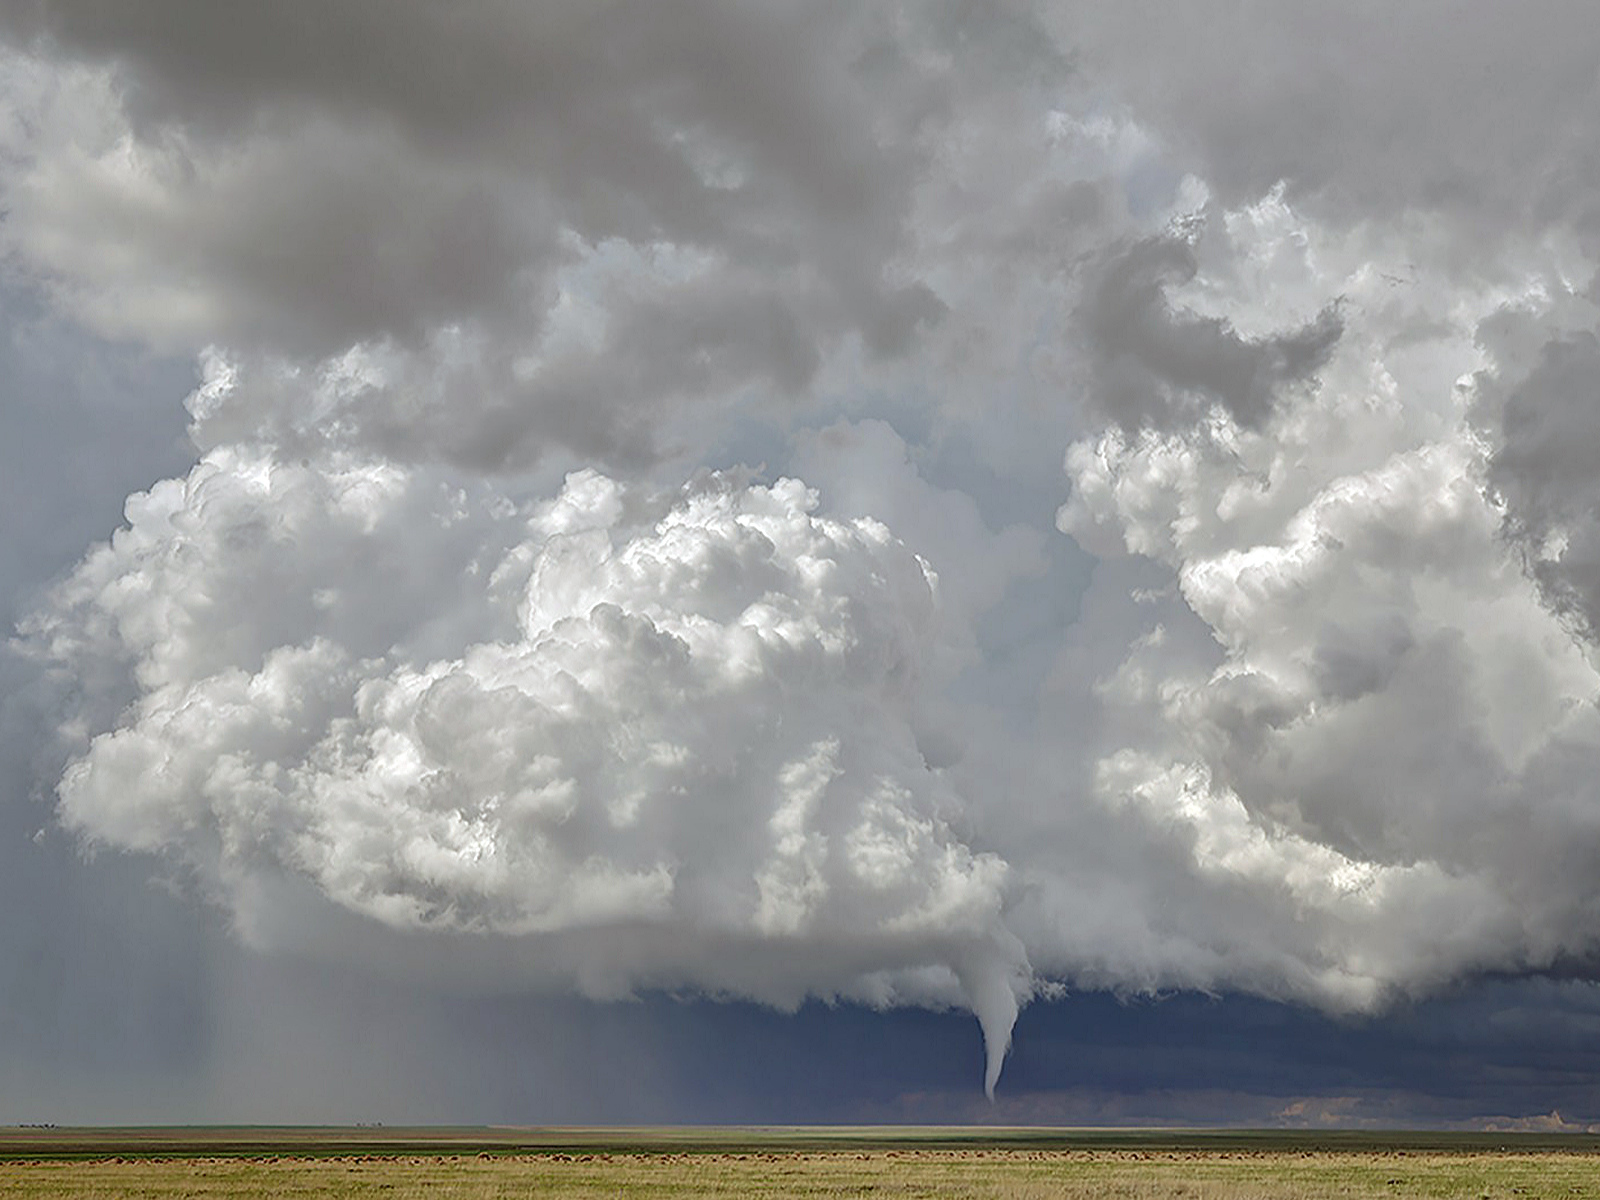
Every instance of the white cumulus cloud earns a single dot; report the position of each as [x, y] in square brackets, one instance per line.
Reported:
[701, 719]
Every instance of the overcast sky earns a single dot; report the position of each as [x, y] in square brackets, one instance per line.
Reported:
[569, 562]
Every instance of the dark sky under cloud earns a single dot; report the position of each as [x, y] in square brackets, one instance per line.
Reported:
[641, 564]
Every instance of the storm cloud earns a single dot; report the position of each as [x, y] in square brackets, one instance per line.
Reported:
[918, 507]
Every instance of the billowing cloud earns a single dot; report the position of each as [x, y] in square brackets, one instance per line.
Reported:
[360, 200]
[629, 540]
[1152, 360]
[1348, 693]
[543, 227]
[1539, 413]
[700, 721]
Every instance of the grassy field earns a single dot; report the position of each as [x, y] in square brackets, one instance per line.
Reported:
[411, 1164]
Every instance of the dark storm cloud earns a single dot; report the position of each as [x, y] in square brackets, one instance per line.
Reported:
[1154, 363]
[1545, 471]
[296, 180]
[1478, 113]
[494, 124]
[1509, 1048]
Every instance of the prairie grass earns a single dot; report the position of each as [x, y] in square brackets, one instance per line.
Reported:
[913, 1172]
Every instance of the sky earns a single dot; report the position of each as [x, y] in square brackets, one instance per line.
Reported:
[800, 562]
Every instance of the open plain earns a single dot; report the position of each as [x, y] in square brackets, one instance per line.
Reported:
[401, 1164]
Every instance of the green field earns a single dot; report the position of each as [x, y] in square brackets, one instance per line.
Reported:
[882, 1162]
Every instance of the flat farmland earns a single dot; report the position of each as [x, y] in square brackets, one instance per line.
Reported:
[878, 1162]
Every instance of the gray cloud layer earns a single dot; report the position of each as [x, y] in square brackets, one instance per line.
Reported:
[554, 223]
[1475, 114]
